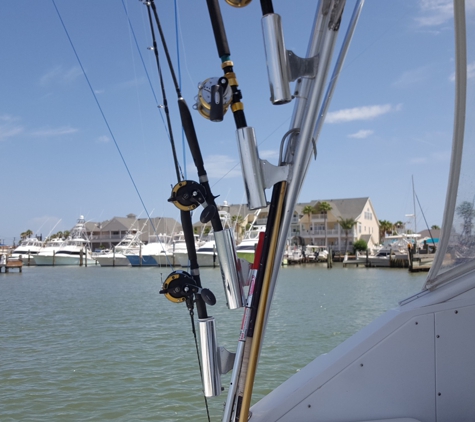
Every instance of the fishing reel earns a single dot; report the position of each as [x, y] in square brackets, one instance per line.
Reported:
[180, 286]
[188, 195]
[213, 99]
[238, 3]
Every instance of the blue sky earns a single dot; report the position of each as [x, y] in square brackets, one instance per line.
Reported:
[390, 119]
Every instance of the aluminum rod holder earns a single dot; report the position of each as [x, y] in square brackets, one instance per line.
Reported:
[229, 266]
[251, 168]
[209, 358]
[283, 66]
[276, 59]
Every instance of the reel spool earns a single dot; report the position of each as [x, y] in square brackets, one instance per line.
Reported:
[180, 286]
[213, 99]
[238, 3]
[187, 195]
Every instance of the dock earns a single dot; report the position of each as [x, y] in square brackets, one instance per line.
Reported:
[10, 263]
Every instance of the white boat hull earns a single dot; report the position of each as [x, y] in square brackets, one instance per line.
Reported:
[204, 260]
[109, 261]
[47, 260]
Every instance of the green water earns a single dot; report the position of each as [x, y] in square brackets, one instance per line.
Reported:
[96, 344]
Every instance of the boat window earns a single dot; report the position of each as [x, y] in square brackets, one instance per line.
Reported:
[457, 245]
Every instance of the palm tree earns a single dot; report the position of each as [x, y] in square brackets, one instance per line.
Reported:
[435, 227]
[308, 211]
[347, 224]
[467, 213]
[385, 227]
[398, 225]
[323, 208]
[66, 234]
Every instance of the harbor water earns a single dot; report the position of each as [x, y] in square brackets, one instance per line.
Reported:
[98, 344]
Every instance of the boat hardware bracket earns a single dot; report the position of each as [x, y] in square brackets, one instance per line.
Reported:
[274, 174]
[300, 67]
[226, 360]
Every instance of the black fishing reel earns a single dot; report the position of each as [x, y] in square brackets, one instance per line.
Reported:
[214, 97]
[188, 195]
[180, 286]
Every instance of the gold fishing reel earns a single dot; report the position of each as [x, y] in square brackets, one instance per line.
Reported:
[187, 195]
[238, 3]
[213, 99]
[180, 286]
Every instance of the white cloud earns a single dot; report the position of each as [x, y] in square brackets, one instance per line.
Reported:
[470, 72]
[435, 12]
[8, 118]
[411, 77]
[7, 131]
[103, 139]
[268, 154]
[222, 167]
[435, 156]
[361, 134]
[360, 113]
[59, 74]
[49, 132]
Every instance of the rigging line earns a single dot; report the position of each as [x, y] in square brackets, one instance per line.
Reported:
[102, 112]
[145, 68]
[164, 95]
[423, 215]
[179, 81]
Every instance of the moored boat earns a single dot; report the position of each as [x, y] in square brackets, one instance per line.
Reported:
[27, 250]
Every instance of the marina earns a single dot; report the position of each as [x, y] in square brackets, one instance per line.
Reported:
[341, 316]
[93, 343]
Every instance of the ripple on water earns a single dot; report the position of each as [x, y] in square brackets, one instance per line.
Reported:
[102, 344]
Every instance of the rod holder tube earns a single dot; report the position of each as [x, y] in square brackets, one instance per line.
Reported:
[229, 265]
[251, 168]
[209, 357]
[276, 59]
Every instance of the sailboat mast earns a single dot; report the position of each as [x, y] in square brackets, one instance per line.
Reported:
[414, 202]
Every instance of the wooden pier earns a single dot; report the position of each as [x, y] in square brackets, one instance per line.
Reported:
[11, 263]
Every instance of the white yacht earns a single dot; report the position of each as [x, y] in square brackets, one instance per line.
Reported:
[49, 249]
[247, 248]
[116, 257]
[76, 249]
[177, 252]
[156, 252]
[27, 250]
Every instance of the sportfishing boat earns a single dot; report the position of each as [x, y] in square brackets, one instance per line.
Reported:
[27, 250]
[151, 254]
[47, 252]
[75, 250]
[206, 250]
[413, 363]
[247, 248]
[130, 243]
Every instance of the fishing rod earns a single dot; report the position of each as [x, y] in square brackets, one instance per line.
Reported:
[187, 196]
[181, 286]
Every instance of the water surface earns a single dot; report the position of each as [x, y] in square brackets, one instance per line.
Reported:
[95, 344]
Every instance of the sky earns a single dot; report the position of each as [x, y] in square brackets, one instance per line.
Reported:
[82, 130]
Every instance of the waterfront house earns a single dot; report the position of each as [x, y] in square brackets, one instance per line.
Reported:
[106, 234]
[311, 229]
